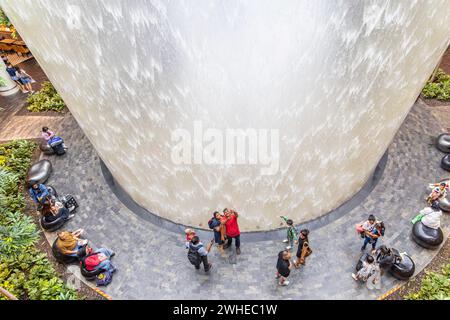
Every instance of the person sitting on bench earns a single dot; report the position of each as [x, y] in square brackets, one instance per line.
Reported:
[69, 243]
[39, 193]
[99, 259]
[53, 211]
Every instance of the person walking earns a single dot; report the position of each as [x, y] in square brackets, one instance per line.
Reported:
[292, 235]
[232, 229]
[284, 267]
[197, 253]
[303, 249]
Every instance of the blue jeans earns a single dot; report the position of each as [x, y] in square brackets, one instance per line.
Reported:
[368, 240]
[106, 264]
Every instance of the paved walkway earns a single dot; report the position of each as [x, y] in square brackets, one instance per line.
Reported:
[152, 262]
[15, 121]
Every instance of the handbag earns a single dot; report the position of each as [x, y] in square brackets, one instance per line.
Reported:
[306, 251]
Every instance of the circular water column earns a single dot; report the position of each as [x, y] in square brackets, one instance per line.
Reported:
[270, 107]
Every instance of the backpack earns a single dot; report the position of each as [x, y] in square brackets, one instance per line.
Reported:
[91, 261]
[104, 278]
[193, 255]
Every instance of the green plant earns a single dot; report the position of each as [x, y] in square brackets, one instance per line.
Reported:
[3, 82]
[45, 99]
[439, 88]
[5, 22]
[434, 286]
[24, 270]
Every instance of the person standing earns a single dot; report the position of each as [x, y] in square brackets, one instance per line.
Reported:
[232, 229]
[197, 253]
[215, 224]
[292, 234]
[303, 249]
[284, 267]
[371, 233]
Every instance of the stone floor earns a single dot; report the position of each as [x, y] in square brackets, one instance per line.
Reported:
[152, 262]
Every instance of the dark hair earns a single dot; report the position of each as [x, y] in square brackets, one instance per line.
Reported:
[305, 232]
[45, 129]
[195, 240]
[369, 259]
[214, 213]
[31, 183]
[225, 210]
[435, 205]
[371, 217]
[383, 249]
[289, 222]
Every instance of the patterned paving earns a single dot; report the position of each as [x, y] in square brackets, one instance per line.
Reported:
[152, 262]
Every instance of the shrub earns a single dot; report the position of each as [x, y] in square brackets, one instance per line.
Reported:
[439, 88]
[45, 99]
[435, 286]
[24, 270]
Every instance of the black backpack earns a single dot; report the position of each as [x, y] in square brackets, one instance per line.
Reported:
[193, 255]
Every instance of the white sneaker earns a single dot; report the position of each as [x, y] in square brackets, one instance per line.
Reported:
[70, 216]
[288, 248]
[285, 283]
[285, 241]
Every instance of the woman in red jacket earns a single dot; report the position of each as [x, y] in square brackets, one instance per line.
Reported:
[232, 229]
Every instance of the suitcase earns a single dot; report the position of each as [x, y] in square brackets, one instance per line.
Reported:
[59, 149]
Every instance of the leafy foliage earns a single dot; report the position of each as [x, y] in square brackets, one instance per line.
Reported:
[24, 270]
[439, 88]
[5, 22]
[435, 286]
[45, 99]
[3, 82]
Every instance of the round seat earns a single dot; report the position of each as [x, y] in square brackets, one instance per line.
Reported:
[427, 237]
[403, 269]
[40, 171]
[45, 148]
[51, 226]
[444, 204]
[60, 257]
[89, 275]
[445, 163]
[443, 142]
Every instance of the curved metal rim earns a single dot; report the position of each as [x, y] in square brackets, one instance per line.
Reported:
[249, 236]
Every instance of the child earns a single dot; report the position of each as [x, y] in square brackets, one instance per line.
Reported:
[189, 235]
[439, 191]
[292, 234]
